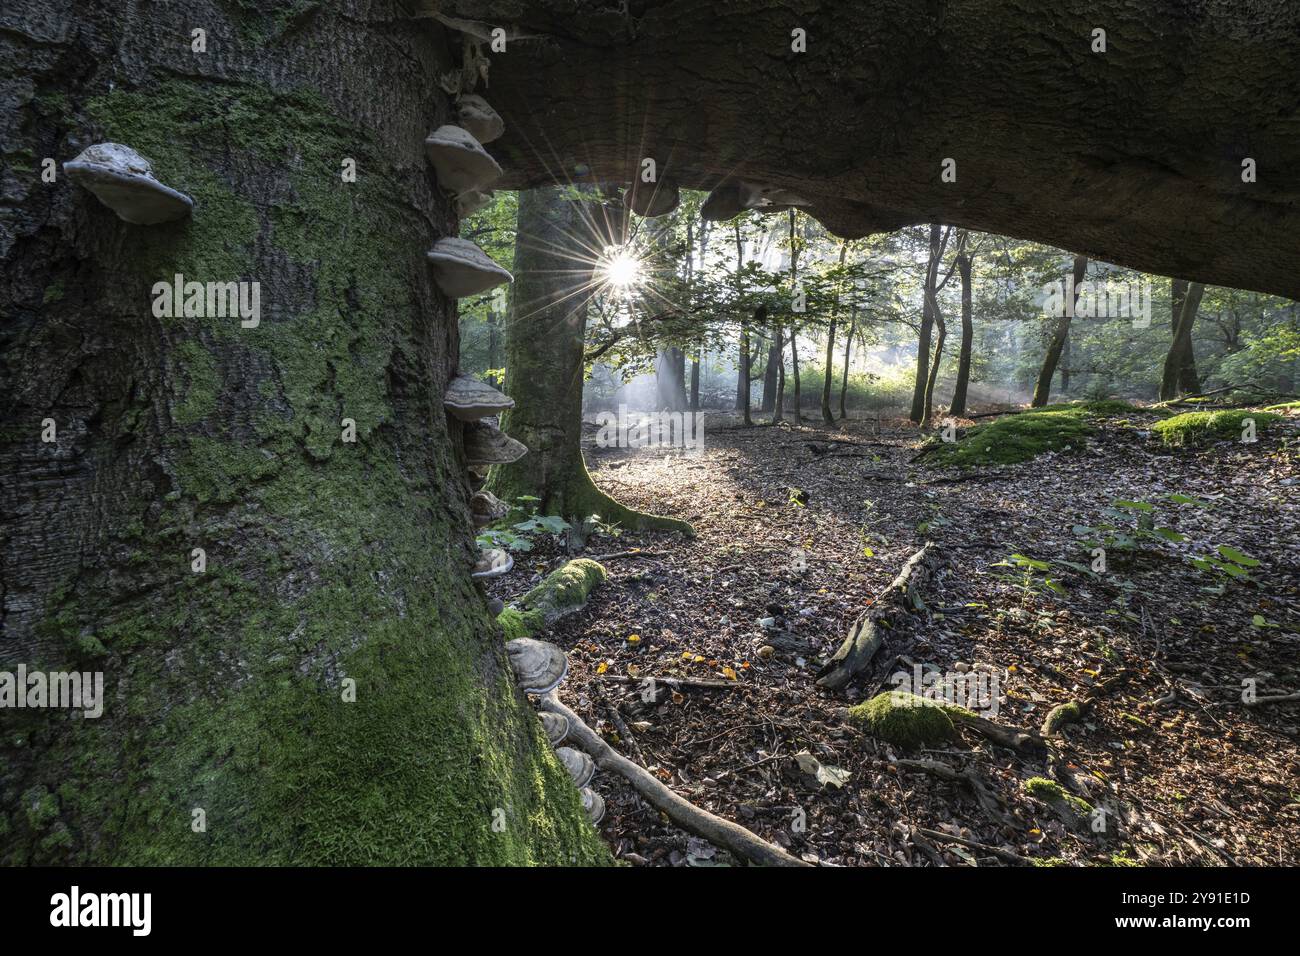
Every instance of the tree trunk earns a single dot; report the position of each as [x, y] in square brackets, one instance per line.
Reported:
[1188, 381]
[967, 335]
[329, 688]
[770, 373]
[545, 364]
[1182, 345]
[1043, 387]
[794, 325]
[927, 322]
[991, 111]
[848, 351]
[494, 348]
[827, 417]
[695, 378]
[778, 402]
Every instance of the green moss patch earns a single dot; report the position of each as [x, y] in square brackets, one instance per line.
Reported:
[906, 720]
[1199, 428]
[1073, 810]
[565, 590]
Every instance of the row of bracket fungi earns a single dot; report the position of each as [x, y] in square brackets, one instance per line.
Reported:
[539, 668]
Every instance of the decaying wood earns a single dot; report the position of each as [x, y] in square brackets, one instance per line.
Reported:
[721, 833]
[864, 637]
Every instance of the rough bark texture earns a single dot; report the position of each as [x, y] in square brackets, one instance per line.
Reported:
[1174, 377]
[1131, 156]
[927, 327]
[327, 561]
[967, 334]
[545, 361]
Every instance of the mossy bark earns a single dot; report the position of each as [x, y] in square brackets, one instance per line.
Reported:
[564, 591]
[545, 361]
[333, 567]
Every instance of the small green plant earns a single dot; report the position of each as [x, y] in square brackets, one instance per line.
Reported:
[521, 535]
[1029, 575]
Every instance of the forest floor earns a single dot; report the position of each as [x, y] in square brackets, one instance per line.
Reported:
[1185, 772]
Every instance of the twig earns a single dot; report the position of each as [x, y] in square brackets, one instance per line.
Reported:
[721, 833]
[1001, 854]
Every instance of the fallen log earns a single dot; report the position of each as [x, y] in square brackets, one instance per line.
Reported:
[721, 833]
[864, 637]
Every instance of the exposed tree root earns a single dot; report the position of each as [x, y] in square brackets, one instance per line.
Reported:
[1073, 711]
[864, 637]
[721, 833]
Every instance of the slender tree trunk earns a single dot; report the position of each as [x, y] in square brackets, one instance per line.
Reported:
[778, 402]
[770, 373]
[1043, 388]
[927, 322]
[256, 532]
[1182, 344]
[494, 348]
[545, 364]
[1188, 382]
[935, 365]
[695, 378]
[794, 324]
[967, 336]
[827, 417]
[848, 352]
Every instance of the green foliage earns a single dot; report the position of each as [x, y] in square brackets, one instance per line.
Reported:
[1199, 428]
[1030, 575]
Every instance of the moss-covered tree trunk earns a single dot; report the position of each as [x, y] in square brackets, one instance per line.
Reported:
[258, 534]
[545, 361]
[927, 325]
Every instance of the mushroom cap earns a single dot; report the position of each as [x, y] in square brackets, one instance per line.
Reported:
[581, 767]
[650, 200]
[478, 118]
[492, 563]
[470, 399]
[462, 268]
[462, 164]
[723, 204]
[486, 508]
[556, 727]
[468, 203]
[488, 445]
[593, 803]
[768, 199]
[123, 181]
[539, 667]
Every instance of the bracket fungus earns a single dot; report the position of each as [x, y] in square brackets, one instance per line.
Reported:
[555, 726]
[488, 445]
[492, 563]
[581, 767]
[729, 200]
[486, 508]
[123, 181]
[461, 268]
[470, 399]
[478, 118]
[468, 203]
[593, 803]
[539, 667]
[462, 164]
[650, 200]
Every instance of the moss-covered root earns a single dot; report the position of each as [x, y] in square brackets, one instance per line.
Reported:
[564, 591]
[906, 720]
[1073, 811]
[597, 502]
[1062, 714]
[1199, 428]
